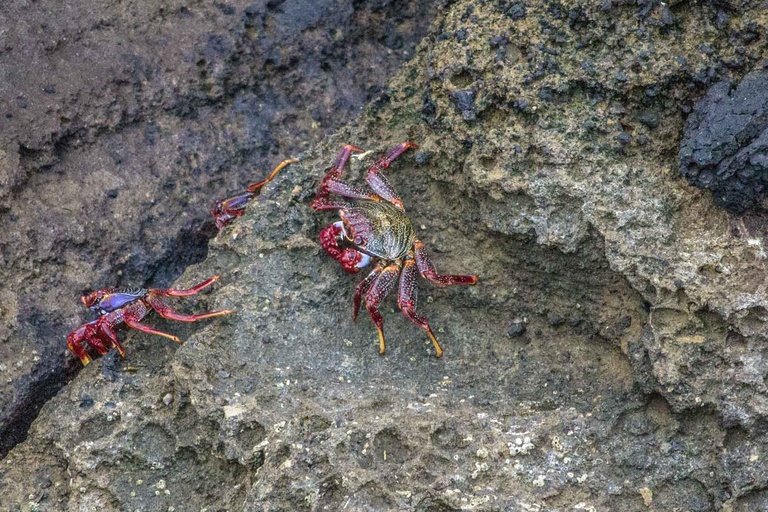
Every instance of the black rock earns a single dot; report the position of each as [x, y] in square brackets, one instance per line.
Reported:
[516, 329]
[650, 120]
[725, 145]
[464, 101]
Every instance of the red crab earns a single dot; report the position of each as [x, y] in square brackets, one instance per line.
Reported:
[224, 210]
[373, 225]
[127, 306]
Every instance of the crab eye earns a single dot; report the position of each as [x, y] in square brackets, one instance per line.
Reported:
[359, 240]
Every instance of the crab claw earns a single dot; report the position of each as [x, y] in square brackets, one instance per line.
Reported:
[351, 260]
[79, 339]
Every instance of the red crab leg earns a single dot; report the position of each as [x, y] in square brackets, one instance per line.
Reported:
[135, 312]
[253, 187]
[377, 293]
[166, 312]
[362, 288]
[321, 196]
[406, 300]
[379, 182]
[184, 293]
[427, 270]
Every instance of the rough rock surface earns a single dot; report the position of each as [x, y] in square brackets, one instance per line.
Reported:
[120, 124]
[549, 137]
[725, 147]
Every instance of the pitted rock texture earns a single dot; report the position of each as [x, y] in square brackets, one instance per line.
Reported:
[637, 383]
[121, 123]
[725, 147]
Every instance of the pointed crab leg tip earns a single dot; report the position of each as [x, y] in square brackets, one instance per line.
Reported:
[382, 345]
[411, 145]
[85, 360]
[438, 348]
[354, 148]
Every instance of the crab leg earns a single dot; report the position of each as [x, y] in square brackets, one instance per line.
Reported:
[224, 210]
[362, 288]
[253, 187]
[321, 196]
[406, 300]
[379, 182]
[376, 294]
[184, 293]
[427, 270]
[145, 328]
[166, 312]
[132, 314]
[336, 186]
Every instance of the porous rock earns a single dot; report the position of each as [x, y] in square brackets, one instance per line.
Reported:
[725, 146]
[652, 398]
[120, 125]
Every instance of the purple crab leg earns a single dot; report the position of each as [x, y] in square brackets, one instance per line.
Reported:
[376, 294]
[363, 286]
[406, 300]
[427, 270]
[379, 182]
[321, 196]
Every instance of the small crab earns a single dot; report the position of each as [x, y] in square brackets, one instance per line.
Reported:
[224, 210]
[127, 306]
[374, 225]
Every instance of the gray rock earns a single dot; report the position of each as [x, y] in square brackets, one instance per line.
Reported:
[653, 400]
[121, 124]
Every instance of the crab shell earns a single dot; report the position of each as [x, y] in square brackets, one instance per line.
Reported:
[378, 228]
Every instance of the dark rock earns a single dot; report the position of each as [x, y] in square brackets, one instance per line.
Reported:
[499, 41]
[516, 329]
[555, 320]
[725, 146]
[514, 10]
[464, 101]
[650, 119]
[87, 96]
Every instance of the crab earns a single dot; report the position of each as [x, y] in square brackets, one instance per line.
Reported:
[374, 226]
[224, 210]
[128, 306]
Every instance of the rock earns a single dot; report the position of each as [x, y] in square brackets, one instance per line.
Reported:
[124, 122]
[464, 101]
[516, 329]
[656, 393]
[725, 147]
